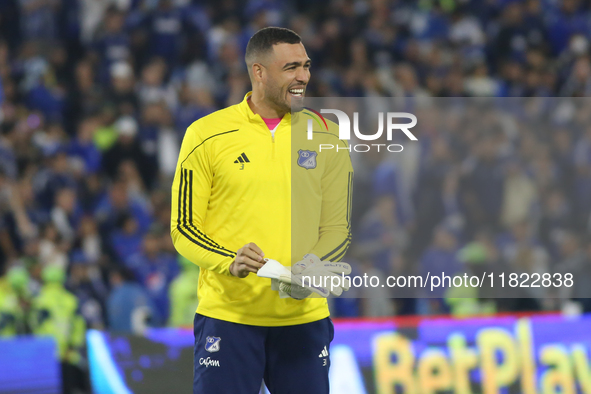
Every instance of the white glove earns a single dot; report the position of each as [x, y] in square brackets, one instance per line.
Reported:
[311, 275]
[278, 273]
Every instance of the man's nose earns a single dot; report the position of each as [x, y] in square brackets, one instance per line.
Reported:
[303, 75]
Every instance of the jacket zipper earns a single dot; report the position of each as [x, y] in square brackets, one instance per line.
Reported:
[273, 143]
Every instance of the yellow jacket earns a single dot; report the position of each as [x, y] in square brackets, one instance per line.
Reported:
[235, 183]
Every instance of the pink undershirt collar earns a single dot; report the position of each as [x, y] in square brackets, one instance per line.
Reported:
[271, 122]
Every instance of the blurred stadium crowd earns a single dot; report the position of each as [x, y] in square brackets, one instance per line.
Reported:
[97, 94]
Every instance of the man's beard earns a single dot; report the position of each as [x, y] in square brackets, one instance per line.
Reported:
[275, 98]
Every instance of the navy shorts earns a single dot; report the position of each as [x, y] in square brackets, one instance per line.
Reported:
[231, 358]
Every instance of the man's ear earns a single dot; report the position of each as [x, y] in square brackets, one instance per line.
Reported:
[257, 72]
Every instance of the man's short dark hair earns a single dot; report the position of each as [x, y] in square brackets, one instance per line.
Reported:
[261, 43]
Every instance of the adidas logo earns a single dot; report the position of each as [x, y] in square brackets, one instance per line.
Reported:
[242, 159]
[324, 353]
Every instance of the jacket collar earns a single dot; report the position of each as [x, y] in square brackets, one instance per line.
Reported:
[256, 118]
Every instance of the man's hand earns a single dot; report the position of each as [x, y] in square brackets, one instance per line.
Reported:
[249, 258]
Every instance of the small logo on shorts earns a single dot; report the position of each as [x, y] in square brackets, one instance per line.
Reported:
[208, 362]
[323, 355]
[212, 344]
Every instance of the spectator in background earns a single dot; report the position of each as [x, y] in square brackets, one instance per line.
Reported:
[565, 22]
[128, 147]
[375, 301]
[46, 96]
[555, 219]
[480, 84]
[129, 309]
[8, 165]
[562, 155]
[168, 144]
[431, 206]
[112, 43]
[483, 191]
[511, 40]
[52, 248]
[579, 82]
[83, 147]
[126, 240]
[523, 254]
[48, 181]
[165, 25]
[194, 103]
[573, 261]
[106, 133]
[122, 89]
[387, 180]
[154, 270]
[117, 204]
[158, 139]
[134, 185]
[65, 215]
[84, 96]
[381, 235]
[161, 203]
[38, 19]
[520, 195]
[439, 258]
[88, 241]
[92, 191]
[92, 13]
[582, 197]
[153, 88]
[85, 283]
[26, 213]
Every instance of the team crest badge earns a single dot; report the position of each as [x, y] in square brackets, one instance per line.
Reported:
[307, 159]
[212, 344]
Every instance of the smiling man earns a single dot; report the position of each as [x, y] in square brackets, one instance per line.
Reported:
[232, 200]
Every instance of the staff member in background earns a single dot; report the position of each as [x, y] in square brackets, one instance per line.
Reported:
[54, 312]
[183, 294]
[14, 302]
